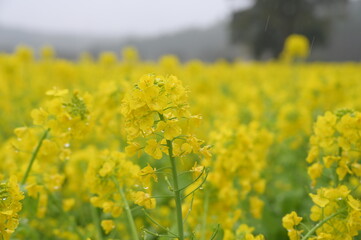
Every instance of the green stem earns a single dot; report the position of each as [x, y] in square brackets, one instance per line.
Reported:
[33, 156]
[157, 234]
[319, 225]
[128, 211]
[158, 224]
[195, 180]
[177, 191]
[215, 233]
[199, 186]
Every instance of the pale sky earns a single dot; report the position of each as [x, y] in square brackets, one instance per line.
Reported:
[115, 17]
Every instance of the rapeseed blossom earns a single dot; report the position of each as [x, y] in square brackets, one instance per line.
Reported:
[93, 145]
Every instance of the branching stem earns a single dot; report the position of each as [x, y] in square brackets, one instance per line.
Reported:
[177, 191]
[319, 225]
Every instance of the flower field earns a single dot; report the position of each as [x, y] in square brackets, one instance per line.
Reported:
[120, 148]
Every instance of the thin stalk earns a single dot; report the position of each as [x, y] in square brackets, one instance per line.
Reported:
[200, 185]
[33, 156]
[195, 180]
[215, 233]
[128, 211]
[136, 208]
[177, 191]
[189, 210]
[158, 224]
[156, 234]
[162, 168]
[319, 225]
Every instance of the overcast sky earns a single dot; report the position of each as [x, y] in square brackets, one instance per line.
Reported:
[115, 17]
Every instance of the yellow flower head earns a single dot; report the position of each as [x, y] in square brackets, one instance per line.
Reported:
[144, 199]
[107, 225]
[148, 173]
[10, 206]
[291, 220]
[296, 46]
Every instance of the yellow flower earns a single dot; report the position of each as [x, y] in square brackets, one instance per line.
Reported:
[329, 160]
[144, 199]
[245, 232]
[312, 154]
[56, 92]
[294, 234]
[354, 203]
[39, 116]
[316, 213]
[10, 206]
[33, 189]
[68, 204]
[342, 169]
[354, 222]
[108, 206]
[154, 149]
[54, 181]
[315, 171]
[107, 168]
[339, 193]
[259, 186]
[146, 174]
[107, 58]
[171, 129]
[296, 46]
[132, 148]
[107, 225]
[319, 200]
[186, 148]
[196, 170]
[291, 220]
[356, 169]
[243, 228]
[256, 206]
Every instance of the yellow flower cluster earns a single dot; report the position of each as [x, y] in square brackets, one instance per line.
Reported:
[157, 111]
[296, 47]
[243, 232]
[10, 206]
[337, 212]
[334, 156]
[158, 120]
[111, 152]
[236, 179]
[289, 222]
[105, 175]
[342, 210]
[336, 145]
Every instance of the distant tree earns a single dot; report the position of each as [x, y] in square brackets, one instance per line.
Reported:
[267, 24]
